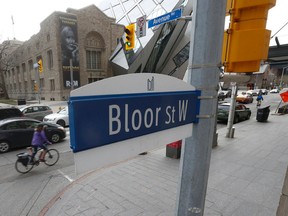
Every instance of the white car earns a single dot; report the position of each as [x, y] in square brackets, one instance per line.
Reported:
[274, 91]
[61, 117]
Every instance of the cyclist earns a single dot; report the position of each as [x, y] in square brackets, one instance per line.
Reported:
[259, 98]
[39, 140]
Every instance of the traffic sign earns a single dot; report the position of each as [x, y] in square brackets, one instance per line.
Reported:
[141, 26]
[108, 125]
[165, 18]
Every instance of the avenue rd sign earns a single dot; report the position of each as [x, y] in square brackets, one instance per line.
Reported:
[120, 117]
[165, 18]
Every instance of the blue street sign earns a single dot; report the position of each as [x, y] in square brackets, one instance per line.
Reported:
[165, 18]
[102, 120]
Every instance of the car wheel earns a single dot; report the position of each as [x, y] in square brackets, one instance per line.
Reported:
[248, 116]
[55, 138]
[4, 146]
[61, 122]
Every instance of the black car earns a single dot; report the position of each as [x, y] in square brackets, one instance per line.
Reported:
[241, 112]
[221, 96]
[18, 132]
[9, 112]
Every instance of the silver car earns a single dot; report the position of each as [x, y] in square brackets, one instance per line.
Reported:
[36, 111]
[61, 117]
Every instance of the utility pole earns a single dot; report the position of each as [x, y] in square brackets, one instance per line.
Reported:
[203, 73]
[230, 129]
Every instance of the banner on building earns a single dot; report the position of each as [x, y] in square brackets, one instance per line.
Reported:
[69, 51]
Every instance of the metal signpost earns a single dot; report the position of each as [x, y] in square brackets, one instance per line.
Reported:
[204, 60]
[165, 18]
[146, 111]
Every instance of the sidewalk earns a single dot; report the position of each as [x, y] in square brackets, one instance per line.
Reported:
[245, 179]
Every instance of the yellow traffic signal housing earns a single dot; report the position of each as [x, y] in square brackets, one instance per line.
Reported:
[35, 87]
[130, 36]
[40, 65]
[246, 42]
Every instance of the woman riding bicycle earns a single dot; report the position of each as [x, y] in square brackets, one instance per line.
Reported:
[39, 140]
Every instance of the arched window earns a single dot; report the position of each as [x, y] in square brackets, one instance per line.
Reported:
[95, 46]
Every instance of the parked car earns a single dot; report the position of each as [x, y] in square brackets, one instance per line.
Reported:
[18, 132]
[264, 91]
[244, 97]
[8, 112]
[36, 111]
[253, 92]
[274, 91]
[227, 93]
[221, 96]
[241, 112]
[61, 117]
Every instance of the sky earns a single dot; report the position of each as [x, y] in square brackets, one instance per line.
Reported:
[27, 16]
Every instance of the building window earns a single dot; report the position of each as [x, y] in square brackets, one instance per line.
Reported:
[93, 58]
[50, 59]
[32, 85]
[42, 83]
[52, 85]
[91, 80]
[24, 68]
[30, 65]
[25, 86]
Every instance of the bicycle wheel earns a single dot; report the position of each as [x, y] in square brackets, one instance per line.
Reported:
[51, 157]
[23, 167]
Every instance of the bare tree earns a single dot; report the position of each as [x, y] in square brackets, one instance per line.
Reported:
[5, 64]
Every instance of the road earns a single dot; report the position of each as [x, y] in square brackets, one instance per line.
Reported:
[27, 194]
[271, 100]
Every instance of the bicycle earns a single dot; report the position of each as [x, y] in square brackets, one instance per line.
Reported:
[25, 163]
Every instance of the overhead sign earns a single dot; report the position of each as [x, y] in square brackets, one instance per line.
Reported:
[165, 18]
[144, 112]
[141, 26]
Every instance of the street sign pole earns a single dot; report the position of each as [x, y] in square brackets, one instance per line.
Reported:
[203, 73]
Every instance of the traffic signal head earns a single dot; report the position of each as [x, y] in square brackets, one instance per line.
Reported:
[130, 36]
[40, 65]
[246, 42]
[35, 87]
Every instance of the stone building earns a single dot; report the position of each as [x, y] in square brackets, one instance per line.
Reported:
[92, 36]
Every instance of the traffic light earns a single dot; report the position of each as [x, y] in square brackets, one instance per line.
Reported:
[40, 65]
[246, 42]
[130, 36]
[35, 87]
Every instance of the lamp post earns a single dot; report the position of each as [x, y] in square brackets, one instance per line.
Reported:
[281, 80]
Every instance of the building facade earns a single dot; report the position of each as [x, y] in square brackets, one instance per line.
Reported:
[74, 48]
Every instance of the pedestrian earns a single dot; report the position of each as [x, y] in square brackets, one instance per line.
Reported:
[39, 140]
[259, 98]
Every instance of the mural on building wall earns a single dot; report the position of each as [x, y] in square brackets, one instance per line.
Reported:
[69, 50]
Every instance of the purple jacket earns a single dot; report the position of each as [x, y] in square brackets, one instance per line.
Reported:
[39, 138]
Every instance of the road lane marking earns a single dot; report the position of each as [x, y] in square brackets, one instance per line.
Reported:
[66, 176]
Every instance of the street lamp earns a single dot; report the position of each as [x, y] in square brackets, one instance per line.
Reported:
[283, 69]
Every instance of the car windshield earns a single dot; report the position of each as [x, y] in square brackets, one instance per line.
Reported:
[63, 111]
[224, 107]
